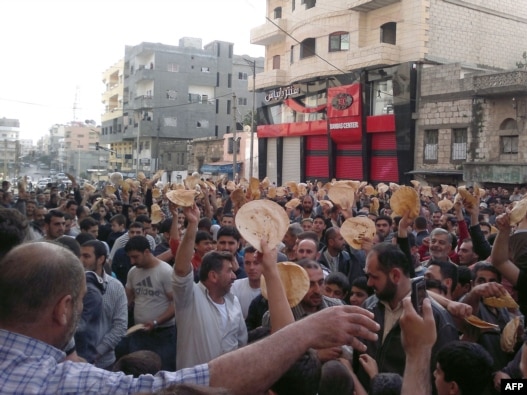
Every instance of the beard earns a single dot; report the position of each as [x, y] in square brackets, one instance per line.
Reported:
[388, 292]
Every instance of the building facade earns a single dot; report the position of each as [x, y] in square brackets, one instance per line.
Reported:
[9, 147]
[343, 81]
[171, 95]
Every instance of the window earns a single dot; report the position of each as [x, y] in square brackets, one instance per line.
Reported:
[229, 80]
[307, 48]
[388, 33]
[228, 106]
[231, 145]
[509, 144]
[382, 97]
[147, 144]
[276, 62]
[242, 76]
[173, 67]
[293, 5]
[339, 41]
[202, 124]
[204, 99]
[194, 98]
[205, 69]
[217, 106]
[217, 79]
[292, 55]
[277, 12]
[431, 139]
[310, 3]
[459, 144]
[171, 94]
[242, 101]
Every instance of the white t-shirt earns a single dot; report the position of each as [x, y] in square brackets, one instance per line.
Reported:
[245, 294]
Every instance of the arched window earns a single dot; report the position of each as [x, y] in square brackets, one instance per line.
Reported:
[388, 33]
[277, 12]
[509, 137]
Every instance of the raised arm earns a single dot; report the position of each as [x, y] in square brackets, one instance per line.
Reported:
[500, 251]
[182, 262]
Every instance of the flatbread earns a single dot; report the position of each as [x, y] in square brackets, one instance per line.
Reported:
[295, 281]
[116, 178]
[182, 197]
[405, 199]
[518, 212]
[293, 203]
[135, 328]
[369, 190]
[506, 301]
[468, 199]
[416, 184]
[445, 205]
[355, 228]
[238, 197]
[342, 195]
[262, 219]
[509, 335]
[156, 193]
[479, 323]
[109, 189]
[382, 187]
[141, 176]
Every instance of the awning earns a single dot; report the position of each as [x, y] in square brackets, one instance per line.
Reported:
[220, 167]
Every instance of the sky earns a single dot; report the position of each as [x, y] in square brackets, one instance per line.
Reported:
[55, 51]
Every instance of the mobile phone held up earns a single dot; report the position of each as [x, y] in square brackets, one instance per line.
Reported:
[418, 294]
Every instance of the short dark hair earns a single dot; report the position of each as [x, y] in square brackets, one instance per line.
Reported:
[83, 237]
[120, 219]
[390, 256]
[70, 203]
[137, 243]
[308, 234]
[51, 214]
[464, 275]
[136, 224]
[420, 223]
[203, 235]
[447, 270]
[362, 283]
[143, 219]
[340, 280]
[307, 263]
[87, 223]
[99, 249]
[213, 261]
[386, 384]
[13, 229]
[482, 265]
[70, 243]
[140, 207]
[468, 364]
[386, 218]
[164, 227]
[228, 231]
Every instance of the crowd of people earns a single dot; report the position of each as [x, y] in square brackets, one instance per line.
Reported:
[120, 290]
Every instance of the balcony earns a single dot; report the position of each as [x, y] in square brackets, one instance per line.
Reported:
[269, 79]
[510, 82]
[369, 5]
[144, 73]
[269, 33]
[143, 101]
[375, 55]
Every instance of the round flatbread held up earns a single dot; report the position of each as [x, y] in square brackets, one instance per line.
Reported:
[405, 199]
[355, 228]
[182, 197]
[262, 219]
[295, 281]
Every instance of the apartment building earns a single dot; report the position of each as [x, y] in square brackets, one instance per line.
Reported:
[160, 97]
[346, 82]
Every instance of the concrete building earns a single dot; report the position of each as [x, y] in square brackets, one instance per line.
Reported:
[171, 95]
[9, 147]
[343, 81]
[473, 128]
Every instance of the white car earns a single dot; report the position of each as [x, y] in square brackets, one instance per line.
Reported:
[43, 182]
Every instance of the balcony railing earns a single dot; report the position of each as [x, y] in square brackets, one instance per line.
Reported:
[269, 33]
[369, 5]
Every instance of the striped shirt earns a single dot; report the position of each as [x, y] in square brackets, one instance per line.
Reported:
[29, 366]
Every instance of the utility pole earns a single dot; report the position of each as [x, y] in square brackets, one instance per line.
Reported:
[234, 142]
[251, 150]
